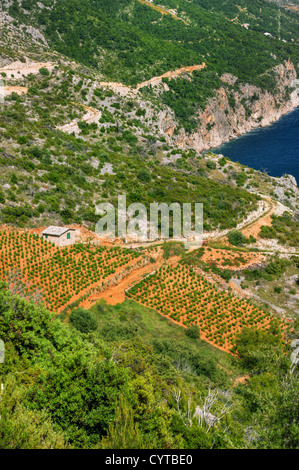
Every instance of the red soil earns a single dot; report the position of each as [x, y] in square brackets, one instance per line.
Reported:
[63, 275]
[255, 227]
[229, 259]
[116, 294]
[241, 380]
[188, 298]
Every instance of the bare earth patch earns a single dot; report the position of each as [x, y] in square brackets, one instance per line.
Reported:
[18, 69]
[19, 90]
[231, 259]
[92, 115]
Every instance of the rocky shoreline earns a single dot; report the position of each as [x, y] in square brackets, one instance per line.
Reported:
[221, 122]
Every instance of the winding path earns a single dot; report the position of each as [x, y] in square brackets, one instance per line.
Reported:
[154, 80]
[251, 225]
[8, 90]
[171, 74]
[92, 115]
[162, 10]
[20, 69]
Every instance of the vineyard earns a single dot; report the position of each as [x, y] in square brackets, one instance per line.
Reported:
[60, 274]
[189, 299]
[63, 275]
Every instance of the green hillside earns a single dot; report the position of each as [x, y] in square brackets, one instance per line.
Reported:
[124, 376]
[57, 177]
[115, 383]
[129, 41]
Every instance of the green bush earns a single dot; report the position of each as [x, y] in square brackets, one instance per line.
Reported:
[241, 179]
[83, 320]
[267, 232]
[144, 175]
[211, 165]
[278, 290]
[44, 71]
[222, 162]
[193, 331]
[235, 237]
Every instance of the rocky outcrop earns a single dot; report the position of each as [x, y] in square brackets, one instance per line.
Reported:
[233, 112]
[286, 189]
[21, 30]
[289, 182]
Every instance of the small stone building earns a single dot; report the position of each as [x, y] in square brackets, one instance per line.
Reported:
[60, 236]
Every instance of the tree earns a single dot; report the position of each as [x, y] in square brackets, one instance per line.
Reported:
[280, 429]
[259, 350]
[22, 428]
[123, 433]
[193, 332]
[235, 237]
[83, 320]
[44, 71]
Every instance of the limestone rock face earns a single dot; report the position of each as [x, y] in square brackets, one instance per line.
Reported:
[289, 182]
[220, 122]
[286, 184]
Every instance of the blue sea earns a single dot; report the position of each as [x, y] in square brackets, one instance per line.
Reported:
[274, 149]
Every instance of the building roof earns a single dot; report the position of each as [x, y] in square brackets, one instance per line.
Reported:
[56, 231]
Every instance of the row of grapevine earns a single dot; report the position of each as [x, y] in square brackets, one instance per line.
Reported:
[59, 273]
[189, 299]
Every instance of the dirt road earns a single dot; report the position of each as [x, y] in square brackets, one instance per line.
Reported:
[92, 115]
[19, 90]
[116, 294]
[171, 74]
[162, 10]
[18, 69]
[254, 227]
[152, 81]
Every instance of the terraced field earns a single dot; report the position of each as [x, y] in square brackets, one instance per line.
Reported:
[62, 275]
[187, 298]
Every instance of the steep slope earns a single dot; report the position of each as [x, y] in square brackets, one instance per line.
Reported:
[250, 52]
[146, 137]
[110, 97]
[235, 109]
[131, 42]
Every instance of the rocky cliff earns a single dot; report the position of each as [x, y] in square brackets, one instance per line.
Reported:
[235, 110]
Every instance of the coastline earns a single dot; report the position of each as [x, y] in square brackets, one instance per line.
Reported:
[266, 148]
[220, 122]
[254, 128]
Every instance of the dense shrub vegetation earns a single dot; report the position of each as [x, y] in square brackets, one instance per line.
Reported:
[65, 388]
[236, 238]
[83, 320]
[127, 376]
[56, 178]
[141, 42]
[285, 228]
